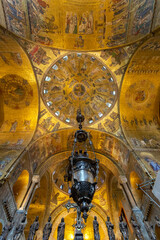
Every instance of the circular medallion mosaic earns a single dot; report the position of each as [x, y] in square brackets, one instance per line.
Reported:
[17, 92]
[139, 94]
[79, 80]
[79, 90]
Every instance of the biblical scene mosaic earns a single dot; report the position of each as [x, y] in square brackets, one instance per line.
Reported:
[90, 81]
[19, 101]
[156, 20]
[62, 140]
[139, 103]
[77, 81]
[45, 60]
[81, 25]
[102, 56]
[17, 92]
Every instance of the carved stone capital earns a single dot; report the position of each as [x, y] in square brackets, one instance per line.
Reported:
[157, 221]
[36, 179]
[122, 179]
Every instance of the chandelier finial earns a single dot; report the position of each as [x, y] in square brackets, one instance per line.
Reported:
[80, 118]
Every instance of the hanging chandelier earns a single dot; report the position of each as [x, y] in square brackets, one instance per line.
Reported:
[82, 170]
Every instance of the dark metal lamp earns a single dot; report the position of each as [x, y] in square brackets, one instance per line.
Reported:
[82, 171]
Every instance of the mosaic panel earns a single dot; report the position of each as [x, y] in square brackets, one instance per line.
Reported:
[79, 80]
[81, 25]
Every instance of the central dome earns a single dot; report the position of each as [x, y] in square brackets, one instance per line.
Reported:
[79, 80]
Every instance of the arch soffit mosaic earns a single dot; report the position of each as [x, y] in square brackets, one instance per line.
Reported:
[139, 103]
[106, 162]
[62, 142]
[20, 101]
[68, 25]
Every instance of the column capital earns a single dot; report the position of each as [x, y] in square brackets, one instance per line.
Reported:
[122, 179]
[36, 179]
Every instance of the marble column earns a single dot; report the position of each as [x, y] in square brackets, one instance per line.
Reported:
[134, 208]
[22, 211]
[35, 183]
[127, 191]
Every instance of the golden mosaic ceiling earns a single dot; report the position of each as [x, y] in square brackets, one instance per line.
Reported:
[139, 103]
[69, 80]
[19, 101]
[81, 24]
[79, 80]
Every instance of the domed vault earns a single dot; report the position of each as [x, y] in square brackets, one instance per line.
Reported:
[102, 57]
[76, 81]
